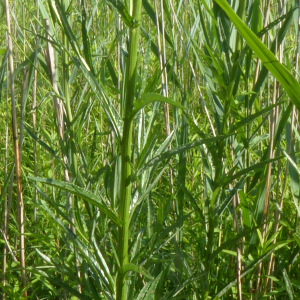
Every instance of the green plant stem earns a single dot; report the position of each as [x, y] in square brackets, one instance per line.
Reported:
[125, 184]
[66, 90]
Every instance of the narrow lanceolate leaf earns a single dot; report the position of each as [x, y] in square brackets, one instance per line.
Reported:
[170, 153]
[44, 145]
[76, 190]
[150, 98]
[282, 32]
[151, 142]
[252, 118]
[147, 191]
[148, 290]
[81, 64]
[279, 71]
[103, 265]
[4, 187]
[137, 269]
[85, 37]
[239, 185]
[276, 22]
[84, 250]
[291, 161]
[126, 18]
[249, 268]
[2, 71]
[255, 168]
[288, 284]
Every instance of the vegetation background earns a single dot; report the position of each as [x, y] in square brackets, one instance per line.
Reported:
[149, 149]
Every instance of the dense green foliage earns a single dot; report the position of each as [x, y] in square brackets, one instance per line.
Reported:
[159, 150]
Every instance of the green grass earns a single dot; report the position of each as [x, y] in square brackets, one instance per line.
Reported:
[159, 155]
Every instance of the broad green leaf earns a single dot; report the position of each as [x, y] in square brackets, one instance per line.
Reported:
[278, 41]
[245, 210]
[279, 71]
[256, 22]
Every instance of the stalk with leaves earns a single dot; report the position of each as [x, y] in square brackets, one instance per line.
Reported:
[126, 152]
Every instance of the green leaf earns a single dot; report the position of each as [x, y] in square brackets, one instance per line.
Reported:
[148, 290]
[44, 145]
[85, 39]
[76, 190]
[137, 269]
[249, 268]
[151, 13]
[7, 181]
[232, 241]
[292, 166]
[256, 168]
[3, 70]
[252, 117]
[81, 64]
[170, 153]
[151, 142]
[288, 284]
[121, 8]
[279, 71]
[67, 287]
[95, 266]
[149, 98]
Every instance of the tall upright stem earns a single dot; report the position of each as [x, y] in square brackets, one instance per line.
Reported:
[125, 184]
[20, 205]
[34, 89]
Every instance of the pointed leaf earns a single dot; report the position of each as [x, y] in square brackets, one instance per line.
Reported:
[279, 71]
[76, 190]
[149, 98]
[137, 269]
